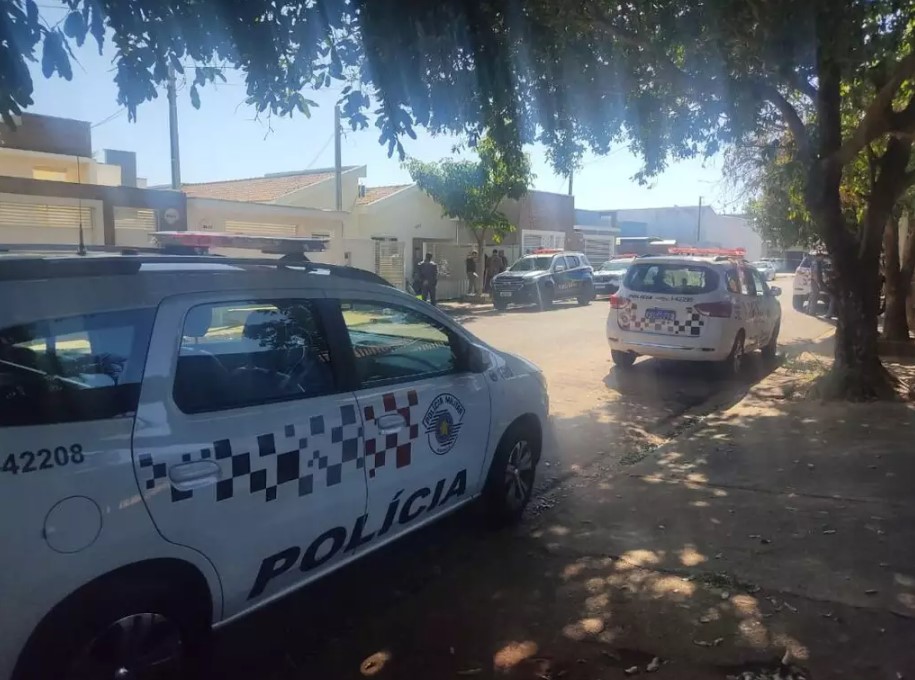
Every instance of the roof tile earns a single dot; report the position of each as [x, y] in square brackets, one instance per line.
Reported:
[373, 194]
[255, 189]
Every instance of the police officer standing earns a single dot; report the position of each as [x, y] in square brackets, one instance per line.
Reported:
[472, 277]
[428, 276]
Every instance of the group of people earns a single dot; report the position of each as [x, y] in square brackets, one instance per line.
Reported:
[425, 272]
[493, 264]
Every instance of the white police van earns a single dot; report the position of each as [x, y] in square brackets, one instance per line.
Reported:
[184, 439]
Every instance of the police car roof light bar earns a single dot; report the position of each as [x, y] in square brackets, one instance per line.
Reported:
[31, 267]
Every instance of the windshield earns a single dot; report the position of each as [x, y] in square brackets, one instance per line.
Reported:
[762, 264]
[533, 264]
[616, 265]
[673, 279]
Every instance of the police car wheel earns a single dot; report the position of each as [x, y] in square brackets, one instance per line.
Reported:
[732, 365]
[499, 305]
[136, 632]
[586, 296]
[546, 297]
[511, 478]
[771, 347]
[622, 359]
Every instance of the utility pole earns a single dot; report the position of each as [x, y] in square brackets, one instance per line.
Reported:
[338, 160]
[173, 130]
[699, 223]
[571, 173]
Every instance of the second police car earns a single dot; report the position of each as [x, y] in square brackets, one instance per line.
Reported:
[693, 309]
[187, 439]
[543, 277]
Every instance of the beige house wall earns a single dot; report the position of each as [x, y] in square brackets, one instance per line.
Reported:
[323, 194]
[20, 163]
[213, 215]
[406, 215]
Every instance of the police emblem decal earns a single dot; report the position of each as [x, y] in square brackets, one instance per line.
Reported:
[442, 422]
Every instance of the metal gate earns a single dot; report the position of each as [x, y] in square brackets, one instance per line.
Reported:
[389, 262]
[452, 268]
[598, 249]
[531, 239]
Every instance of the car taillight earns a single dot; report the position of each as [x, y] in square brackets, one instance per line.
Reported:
[618, 302]
[721, 310]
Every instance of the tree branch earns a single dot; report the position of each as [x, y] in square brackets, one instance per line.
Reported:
[879, 117]
[789, 113]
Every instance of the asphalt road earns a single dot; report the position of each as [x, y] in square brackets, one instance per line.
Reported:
[636, 408]
[403, 611]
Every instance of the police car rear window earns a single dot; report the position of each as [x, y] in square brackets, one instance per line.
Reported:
[72, 369]
[671, 279]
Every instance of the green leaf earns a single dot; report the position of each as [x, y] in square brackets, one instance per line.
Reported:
[195, 97]
[75, 27]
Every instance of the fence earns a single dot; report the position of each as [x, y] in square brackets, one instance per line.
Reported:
[389, 262]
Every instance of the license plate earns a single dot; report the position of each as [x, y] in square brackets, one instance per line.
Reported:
[660, 315]
[505, 293]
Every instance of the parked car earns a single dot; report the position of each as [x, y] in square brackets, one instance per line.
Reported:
[188, 439]
[801, 287]
[543, 277]
[693, 309]
[767, 268]
[608, 277]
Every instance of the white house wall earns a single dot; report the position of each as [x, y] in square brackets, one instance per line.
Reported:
[213, 215]
[323, 196]
[408, 214]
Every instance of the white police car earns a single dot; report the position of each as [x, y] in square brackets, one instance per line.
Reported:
[693, 309]
[185, 439]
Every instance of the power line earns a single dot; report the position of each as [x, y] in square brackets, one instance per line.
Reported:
[318, 155]
[110, 118]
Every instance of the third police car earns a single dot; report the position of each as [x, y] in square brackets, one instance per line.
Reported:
[695, 309]
[186, 439]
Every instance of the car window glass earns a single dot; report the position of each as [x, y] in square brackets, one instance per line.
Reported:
[242, 353]
[761, 286]
[72, 369]
[530, 264]
[584, 260]
[395, 344]
[732, 281]
[671, 279]
[559, 263]
[746, 278]
[572, 261]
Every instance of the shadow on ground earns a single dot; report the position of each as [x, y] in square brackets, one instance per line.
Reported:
[778, 527]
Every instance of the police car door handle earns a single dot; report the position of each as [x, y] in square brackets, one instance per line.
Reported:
[186, 476]
[391, 423]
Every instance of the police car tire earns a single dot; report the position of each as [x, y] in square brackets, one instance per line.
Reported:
[546, 297]
[71, 627]
[729, 368]
[497, 512]
[586, 296]
[499, 305]
[622, 359]
[771, 348]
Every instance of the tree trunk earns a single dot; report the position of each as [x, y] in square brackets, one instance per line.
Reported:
[895, 323]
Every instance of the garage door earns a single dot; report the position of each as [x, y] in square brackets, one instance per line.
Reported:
[22, 222]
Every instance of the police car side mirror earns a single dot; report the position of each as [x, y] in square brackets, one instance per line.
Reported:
[477, 360]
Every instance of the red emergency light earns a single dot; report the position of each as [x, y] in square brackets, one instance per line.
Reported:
[547, 251]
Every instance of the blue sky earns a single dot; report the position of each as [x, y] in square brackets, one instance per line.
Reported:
[222, 140]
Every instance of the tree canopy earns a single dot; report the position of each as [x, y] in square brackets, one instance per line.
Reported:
[471, 191]
[671, 78]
